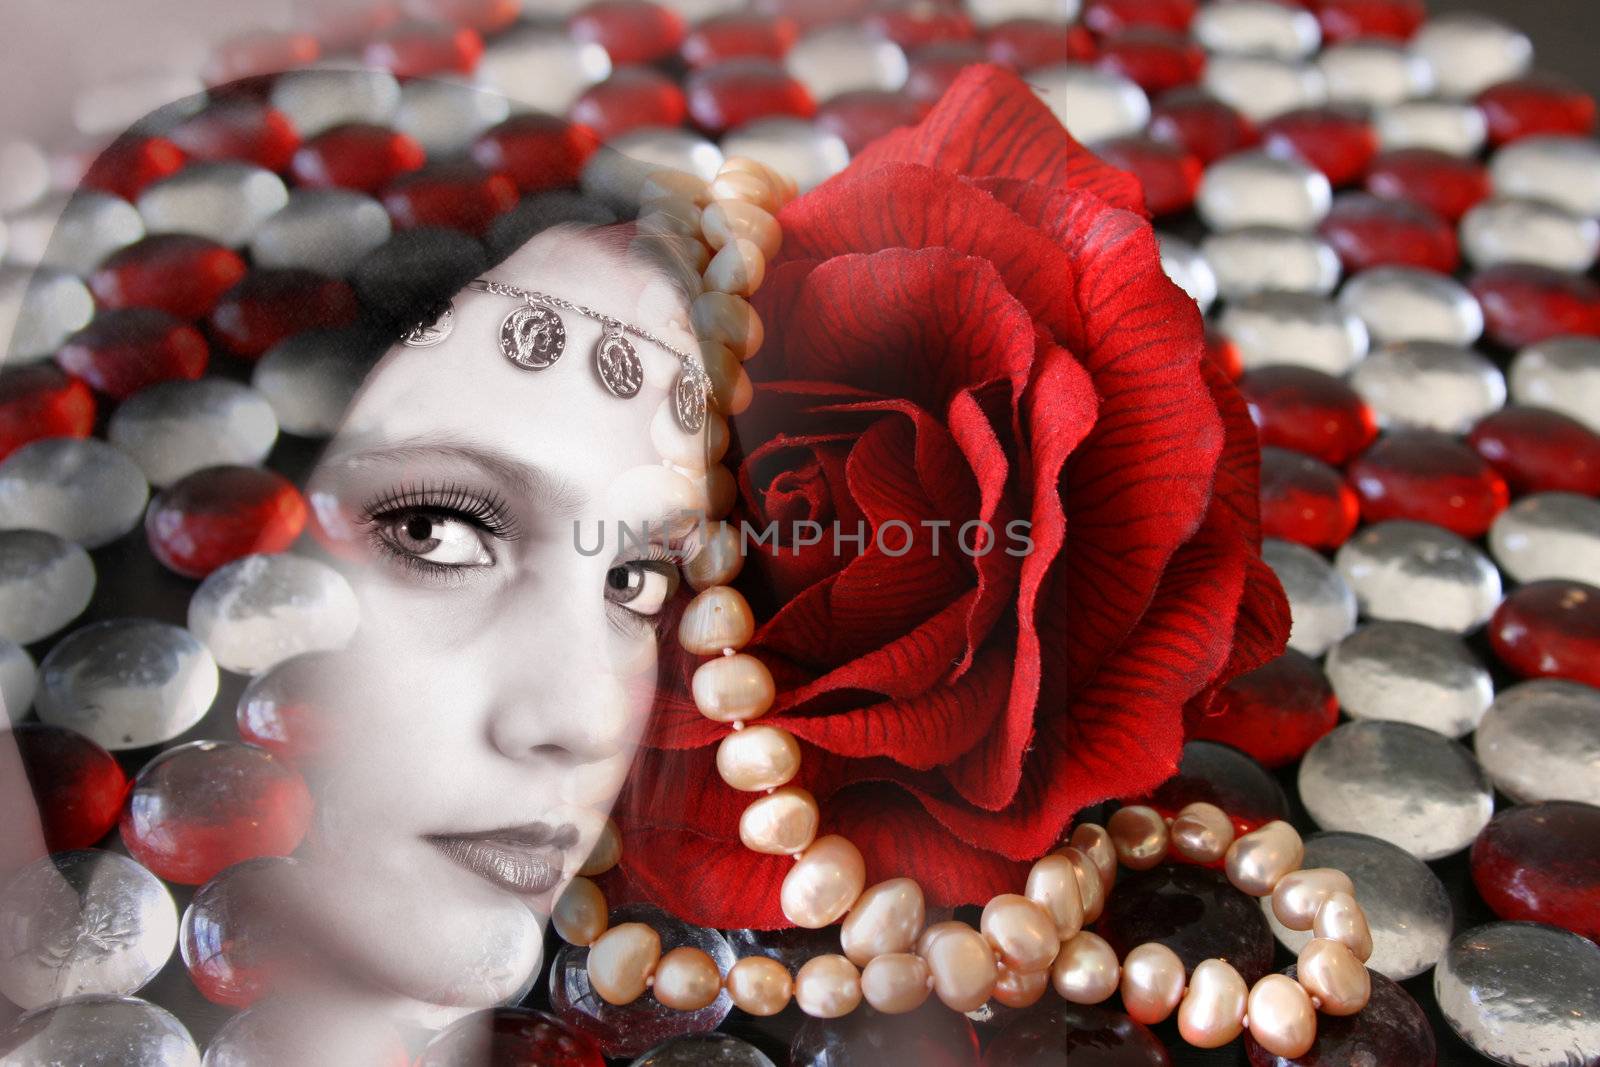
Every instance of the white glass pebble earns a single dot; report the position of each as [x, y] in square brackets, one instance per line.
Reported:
[1368, 72]
[1258, 258]
[1541, 741]
[45, 583]
[225, 200]
[1402, 783]
[1549, 535]
[616, 173]
[79, 488]
[1563, 374]
[98, 1031]
[309, 380]
[991, 12]
[1413, 304]
[1188, 269]
[260, 610]
[1402, 672]
[1256, 27]
[1257, 189]
[846, 58]
[1407, 908]
[1429, 385]
[1296, 329]
[1417, 572]
[1470, 52]
[541, 67]
[72, 232]
[83, 922]
[1457, 129]
[1322, 609]
[1518, 230]
[172, 429]
[18, 678]
[127, 683]
[799, 149]
[326, 230]
[446, 115]
[318, 98]
[1523, 994]
[1560, 168]
[24, 174]
[39, 309]
[1094, 105]
[1262, 87]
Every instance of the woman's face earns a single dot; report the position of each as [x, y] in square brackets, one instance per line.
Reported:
[476, 731]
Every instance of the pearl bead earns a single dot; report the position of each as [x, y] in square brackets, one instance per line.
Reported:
[1021, 931]
[1341, 919]
[651, 490]
[896, 983]
[1202, 833]
[725, 220]
[1297, 897]
[783, 185]
[758, 757]
[690, 251]
[1282, 1019]
[782, 823]
[716, 619]
[721, 318]
[606, 853]
[962, 964]
[720, 558]
[721, 489]
[1015, 989]
[674, 185]
[678, 217]
[733, 688]
[692, 451]
[1257, 861]
[722, 371]
[686, 979]
[827, 987]
[1139, 835]
[1094, 842]
[580, 913]
[760, 986]
[1152, 982]
[743, 185]
[1336, 980]
[823, 883]
[1091, 887]
[621, 961]
[1053, 885]
[739, 268]
[1085, 971]
[884, 921]
[1212, 1012]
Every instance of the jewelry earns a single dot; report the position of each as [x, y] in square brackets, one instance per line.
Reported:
[427, 334]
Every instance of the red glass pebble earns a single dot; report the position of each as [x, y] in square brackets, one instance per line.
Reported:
[132, 162]
[1538, 450]
[812, 14]
[177, 272]
[1274, 713]
[1369, 231]
[935, 68]
[239, 128]
[1339, 143]
[511, 1037]
[1346, 20]
[1449, 186]
[1550, 629]
[270, 305]
[1210, 773]
[1106, 17]
[256, 54]
[1428, 477]
[204, 806]
[631, 31]
[485, 16]
[1541, 863]
[1221, 351]
[859, 118]
[418, 49]
[738, 35]
[280, 709]
[1308, 411]
[123, 350]
[630, 98]
[1391, 1031]
[917, 25]
[1157, 60]
[219, 514]
[237, 939]
[456, 196]
[78, 786]
[730, 94]
[357, 155]
[538, 152]
[1536, 104]
[1023, 44]
[1059, 1034]
[41, 400]
[1168, 175]
[1192, 910]
[1305, 500]
[1201, 124]
[1524, 304]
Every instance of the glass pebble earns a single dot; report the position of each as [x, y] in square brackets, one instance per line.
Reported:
[305, 1032]
[1549, 629]
[308, 380]
[1305, 501]
[72, 232]
[1470, 52]
[1559, 168]
[219, 514]
[1402, 672]
[179, 273]
[1437, 125]
[1429, 385]
[1409, 304]
[1258, 258]
[843, 59]
[1518, 230]
[327, 230]
[729, 95]
[1201, 124]
[1256, 189]
[127, 683]
[359, 156]
[45, 582]
[1093, 104]
[81, 489]
[1218, 774]
[542, 68]
[78, 787]
[1338, 141]
[1322, 606]
[1187, 267]
[643, 96]
[1522, 994]
[1539, 450]
[225, 200]
[616, 172]
[272, 305]
[931, 1036]
[39, 310]
[260, 610]
[18, 679]
[1563, 374]
[791, 947]
[280, 708]
[704, 1050]
[1194, 911]
[175, 428]
[1537, 104]
[1369, 231]
[126, 349]
[1406, 905]
[446, 115]
[1541, 741]
[1273, 713]
[1524, 304]
[317, 99]
[41, 400]
[96, 1031]
[803, 151]
[992, 12]
[236, 939]
[83, 922]
[509, 1037]
[1373, 73]
[1417, 572]
[1169, 175]
[1391, 1029]
[1257, 27]
[1308, 411]
[1294, 329]
[1541, 863]
[1444, 184]
[1549, 535]
[1263, 87]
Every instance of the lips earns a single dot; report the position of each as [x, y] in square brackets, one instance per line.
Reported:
[524, 859]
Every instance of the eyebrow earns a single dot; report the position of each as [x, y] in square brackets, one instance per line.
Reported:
[526, 481]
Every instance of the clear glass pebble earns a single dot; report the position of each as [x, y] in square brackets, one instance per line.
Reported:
[1428, 385]
[1519, 230]
[81, 489]
[846, 58]
[95, 1031]
[1413, 304]
[1417, 572]
[446, 115]
[800, 149]
[326, 230]
[616, 173]
[704, 1050]
[1262, 87]
[24, 174]
[83, 922]
[1093, 104]
[542, 68]
[316, 99]
[260, 610]
[73, 233]
[1470, 52]
[1402, 672]
[1374, 73]
[1406, 905]
[1187, 267]
[1256, 189]
[1322, 609]
[46, 581]
[1295, 329]
[127, 683]
[173, 429]
[1406, 784]
[1562, 374]
[1541, 741]
[225, 200]
[1549, 535]
[18, 679]
[1523, 993]
[39, 310]
[1559, 168]
[1256, 27]
[992, 12]
[1259, 258]
[309, 379]
[1447, 126]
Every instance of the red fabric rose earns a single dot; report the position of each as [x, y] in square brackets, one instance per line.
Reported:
[970, 322]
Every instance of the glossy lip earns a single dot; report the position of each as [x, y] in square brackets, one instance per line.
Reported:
[526, 859]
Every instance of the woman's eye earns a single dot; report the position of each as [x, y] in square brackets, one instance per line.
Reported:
[642, 586]
[438, 539]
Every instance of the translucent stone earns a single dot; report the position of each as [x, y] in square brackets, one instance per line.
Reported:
[78, 787]
[1218, 774]
[542, 68]
[39, 310]
[1549, 535]
[1258, 258]
[703, 1050]
[1294, 329]
[1391, 1030]
[1273, 713]
[931, 1036]
[445, 115]
[1373, 73]
[509, 1037]
[1517, 230]
[305, 1032]
[992, 12]
[18, 678]
[1370, 231]
[225, 200]
[1402, 672]
[1440, 125]
[1470, 52]
[1541, 863]
[1257, 189]
[1195, 912]
[799, 149]
[1541, 741]
[1406, 905]
[173, 429]
[83, 922]
[1428, 476]
[616, 173]
[309, 379]
[237, 939]
[81, 489]
[1549, 629]
[1188, 269]
[1261, 87]
[260, 610]
[317, 99]
[792, 947]
[1093, 104]
[1429, 385]
[845, 58]
[72, 233]
[1321, 605]
[1563, 374]
[1408, 304]
[24, 174]
[1257, 27]
[1559, 168]
[45, 582]
[1417, 572]
[327, 230]
[99, 1032]
[1522, 993]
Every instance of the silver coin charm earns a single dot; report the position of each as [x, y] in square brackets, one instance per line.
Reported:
[533, 337]
[689, 400]
[618, 364]
[428, 334]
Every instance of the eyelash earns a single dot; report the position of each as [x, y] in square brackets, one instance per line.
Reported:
[489, 513]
